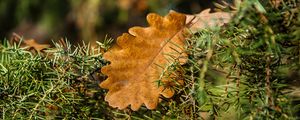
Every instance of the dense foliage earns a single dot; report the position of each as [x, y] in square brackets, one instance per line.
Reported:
[248, 69]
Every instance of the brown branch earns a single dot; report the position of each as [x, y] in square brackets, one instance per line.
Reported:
[268, 83]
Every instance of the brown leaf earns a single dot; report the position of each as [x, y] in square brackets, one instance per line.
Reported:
[30, 43]
[139, 58]
[206, 19]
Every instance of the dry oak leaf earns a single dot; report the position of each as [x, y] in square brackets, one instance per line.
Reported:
[139, 58]
[206, 19]
[31, 43]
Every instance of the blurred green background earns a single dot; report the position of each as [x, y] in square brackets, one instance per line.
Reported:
[87, 20]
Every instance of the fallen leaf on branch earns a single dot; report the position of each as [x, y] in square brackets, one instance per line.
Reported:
[30, 43]
[138, 59]
[206, 19]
